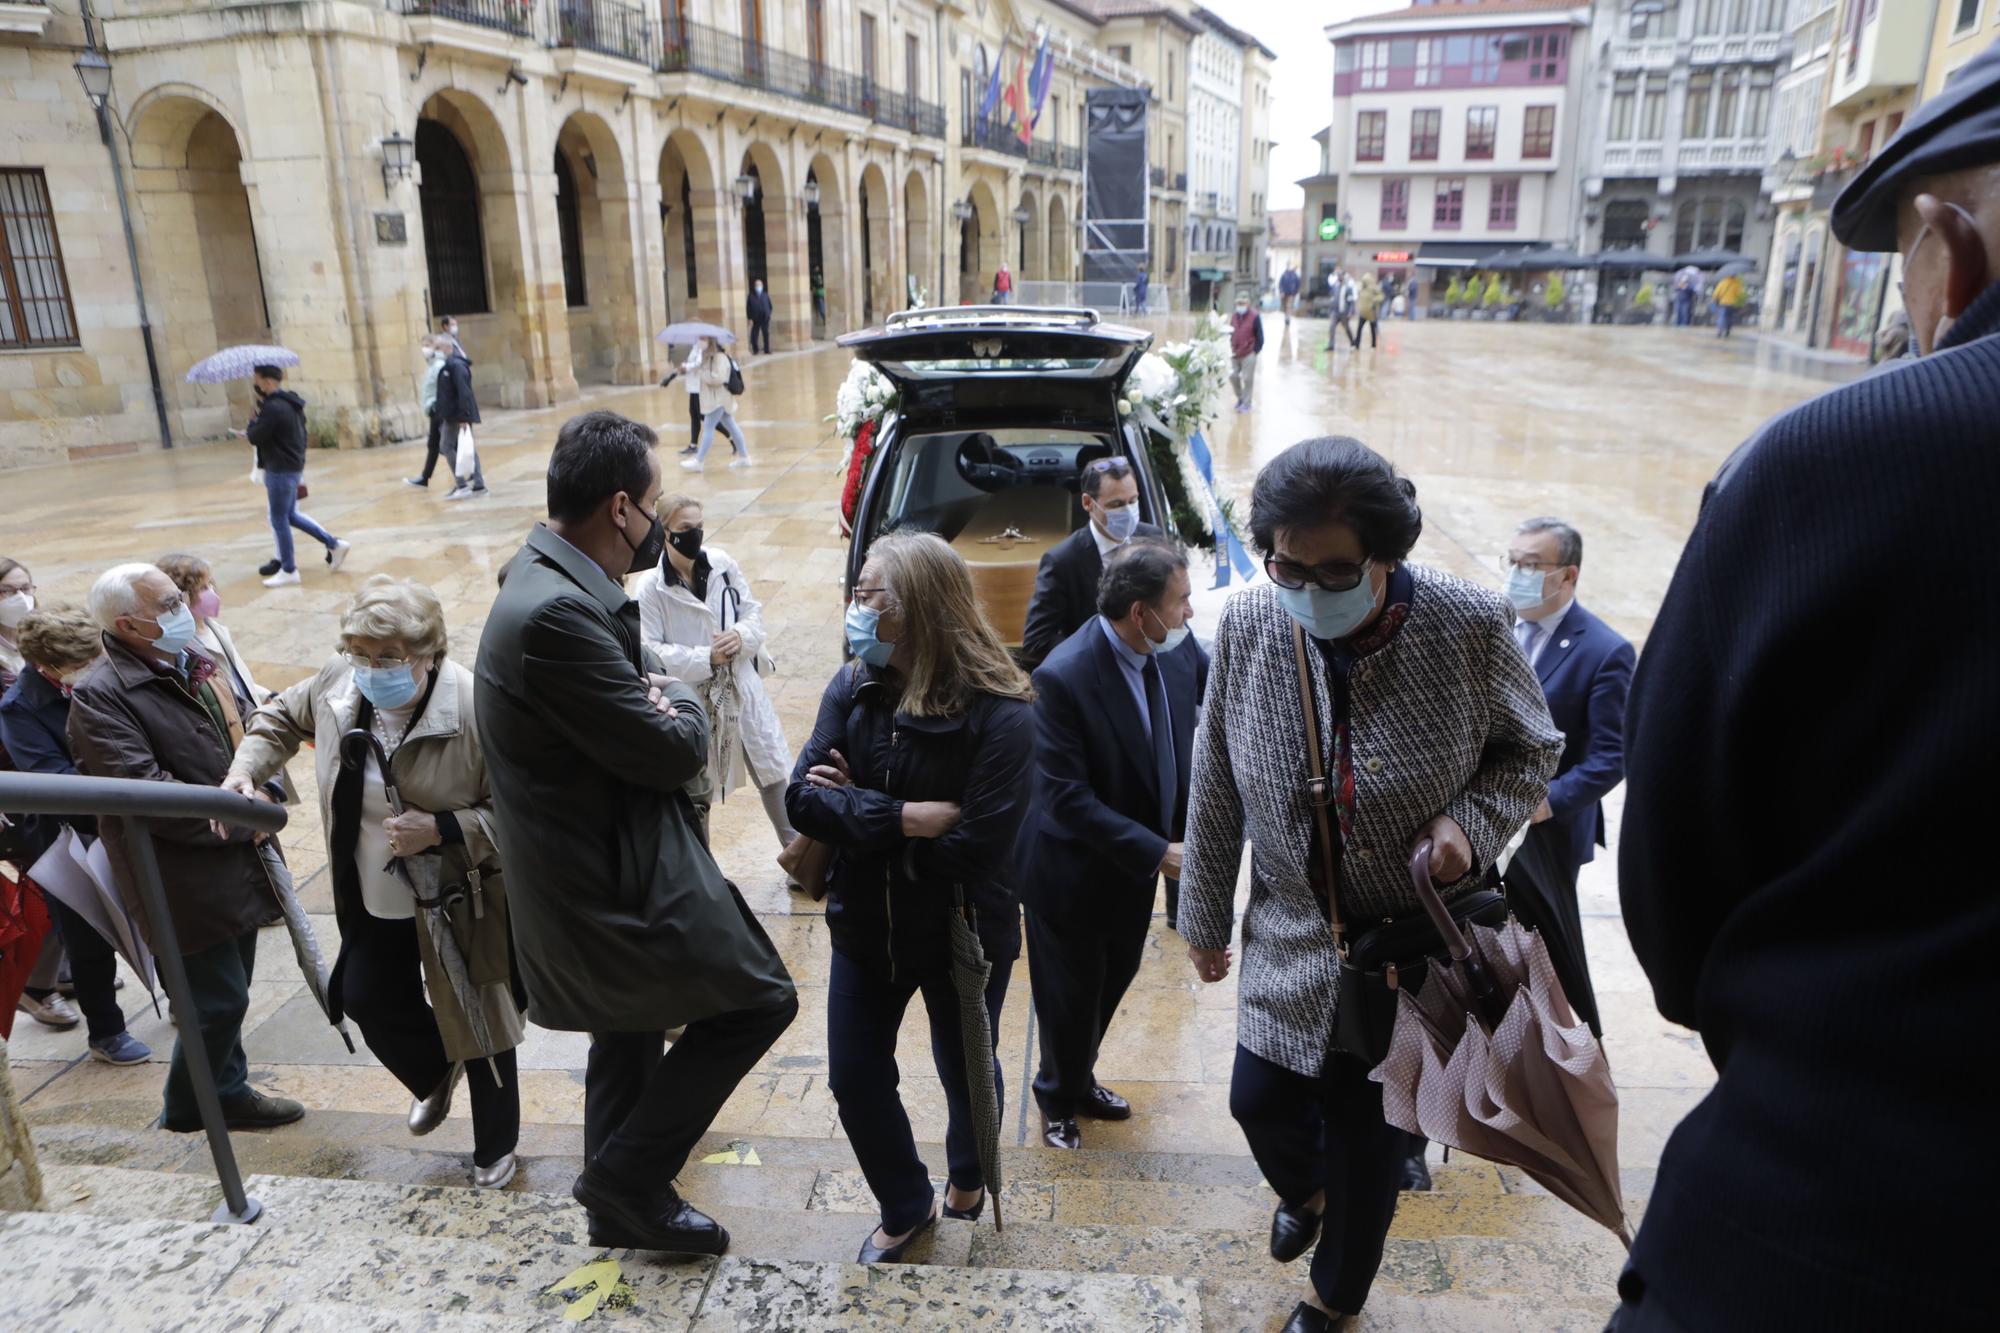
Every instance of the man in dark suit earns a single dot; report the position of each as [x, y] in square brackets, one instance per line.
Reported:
[1114, 725]
[1066, 584]
[1585, 668]
[623, 925]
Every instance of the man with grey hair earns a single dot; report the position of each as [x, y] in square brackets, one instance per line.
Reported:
[156, 707]
[1811, 757]
[1585, 668]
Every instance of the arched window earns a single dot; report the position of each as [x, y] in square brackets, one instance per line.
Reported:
[454, 244]
[569, 231]
[1684, 224]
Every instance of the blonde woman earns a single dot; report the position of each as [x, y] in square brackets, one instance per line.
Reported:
[917, 776]
[391, 679]
[196, 580]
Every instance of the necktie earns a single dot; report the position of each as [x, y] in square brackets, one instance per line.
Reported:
[1526, 632]
[1163, 742]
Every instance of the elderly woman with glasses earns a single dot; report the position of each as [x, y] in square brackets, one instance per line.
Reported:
[1431, 729]
[416, 873]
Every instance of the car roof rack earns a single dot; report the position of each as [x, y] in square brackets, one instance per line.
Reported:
[1038, 315]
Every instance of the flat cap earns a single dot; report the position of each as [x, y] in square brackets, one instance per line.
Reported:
[1958, 128]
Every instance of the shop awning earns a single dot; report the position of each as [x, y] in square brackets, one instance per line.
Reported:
[1212, 274]
[1452, 254]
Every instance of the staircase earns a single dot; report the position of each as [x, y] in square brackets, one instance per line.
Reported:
[366, 1228]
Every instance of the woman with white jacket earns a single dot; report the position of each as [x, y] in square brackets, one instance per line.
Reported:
[700, 624]
[716, 405]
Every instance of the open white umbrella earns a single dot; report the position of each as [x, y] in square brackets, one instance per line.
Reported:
[236, 363]
[691, 331]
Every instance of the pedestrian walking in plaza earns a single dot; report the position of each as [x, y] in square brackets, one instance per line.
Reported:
[457, 411]
[1140, 290]
[1432, 729]
[1346, 300]
[448, 329]
[1392, 287]
[700, 624]
[714, 376]
[757, 308]
[279, 433]
[1585, 669]
[1729, 295]
[390, 678]
[623, 925]
[1288, 291]
[1114, 731]
[1003, 285]
[156, 706]
[1687, 285]
[917, 776]
[1246, 340]
[196, 580]
[1065, 596]
[1367, 311]
[435, 348]
[688, 371]
[57, 646]
[819, 297]
[1799, 909]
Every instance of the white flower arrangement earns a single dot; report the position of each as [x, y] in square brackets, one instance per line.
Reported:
[1175, 391]
[865, 395]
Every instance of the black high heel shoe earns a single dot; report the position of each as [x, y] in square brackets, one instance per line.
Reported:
[871, 1253]
[967, 1214]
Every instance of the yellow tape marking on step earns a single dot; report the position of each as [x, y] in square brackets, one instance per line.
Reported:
[738, 1153]
[600, 1285]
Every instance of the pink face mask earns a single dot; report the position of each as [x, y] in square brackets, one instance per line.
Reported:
[208, 605]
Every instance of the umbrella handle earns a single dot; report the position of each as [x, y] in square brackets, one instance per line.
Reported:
[1455, 942]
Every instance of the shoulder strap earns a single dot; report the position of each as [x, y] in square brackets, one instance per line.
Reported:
[1319, 790]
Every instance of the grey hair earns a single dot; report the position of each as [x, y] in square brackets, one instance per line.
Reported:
[398, 611]
[1569, 542]
[116, 592]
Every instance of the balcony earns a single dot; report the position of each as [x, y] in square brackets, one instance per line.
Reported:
[1642, 159]
[993, 135]
[608, 29]
[1633, 57]
[1722, 155]
[516, 17]
[1882, 58]
[695, 48]
[1207, 201]
[1736, 49]
[1055, 156]
[1158, 175]
[24, 16]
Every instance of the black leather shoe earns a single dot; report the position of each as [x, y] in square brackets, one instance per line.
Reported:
[1061, 1133]
[1416, 1174]
[1292, 1230]
[967, 1214]
[1307, 1318]
[871, 1253]
[1104, 1104]
[253, 1111]
[664, 1221]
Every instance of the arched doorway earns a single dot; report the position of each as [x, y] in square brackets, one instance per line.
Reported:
[1029, 260]
[594, 229]
[1059, 261]
[756, 258]
[829, 276]
[877, 246]
[691, 216]
[773, 249]
[971, 287]
[920, 265]
[203, 268]
[816, 251]
[989, 239]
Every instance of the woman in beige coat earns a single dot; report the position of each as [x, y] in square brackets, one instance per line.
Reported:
[717, 406]
[391, 681]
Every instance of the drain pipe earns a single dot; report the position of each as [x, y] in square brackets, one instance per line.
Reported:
[101, 106]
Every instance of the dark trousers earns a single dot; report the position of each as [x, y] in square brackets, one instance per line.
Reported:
[431, 450]
[219, 976]
[643, 1112]
[1079, 967]
[1309, 1134]
[1724, 317]
[93, 967]
[760, 328]
[694, 419]
[864, 1011]
[382, 990]
[1373, 327]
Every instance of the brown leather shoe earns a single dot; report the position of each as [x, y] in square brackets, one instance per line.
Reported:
[1061, 1133]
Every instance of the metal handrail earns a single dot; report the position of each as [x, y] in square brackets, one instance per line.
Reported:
[139, 802]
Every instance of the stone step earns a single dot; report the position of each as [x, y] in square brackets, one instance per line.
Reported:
[78, 1271]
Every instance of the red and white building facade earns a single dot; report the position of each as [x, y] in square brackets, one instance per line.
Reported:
[1454, 133]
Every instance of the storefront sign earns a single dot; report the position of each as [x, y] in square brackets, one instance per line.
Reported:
[1392, 256]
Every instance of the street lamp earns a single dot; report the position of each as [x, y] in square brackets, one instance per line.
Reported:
[1022, 215]
[746, 188]
[962, 210]
[95, 72]
[397, 155]
[810, 193]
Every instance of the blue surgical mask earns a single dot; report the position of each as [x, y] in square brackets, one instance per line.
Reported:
[386, 687]
[176, 631]
[1329, 615]
[1120, 524]
[861, 640]
[1525, 587]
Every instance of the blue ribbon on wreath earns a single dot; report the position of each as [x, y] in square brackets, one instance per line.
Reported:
[1228, 548]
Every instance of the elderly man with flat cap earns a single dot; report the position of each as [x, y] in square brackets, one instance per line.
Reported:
[1805, 870]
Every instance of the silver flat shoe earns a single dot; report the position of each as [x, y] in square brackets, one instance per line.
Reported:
[495, 1176]
[427, 1113]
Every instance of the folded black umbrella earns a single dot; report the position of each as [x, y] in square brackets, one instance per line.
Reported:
[1541, 890]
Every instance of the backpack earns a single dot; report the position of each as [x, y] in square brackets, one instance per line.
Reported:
[735, 385]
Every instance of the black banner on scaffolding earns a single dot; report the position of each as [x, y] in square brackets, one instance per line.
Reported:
[1115, 181]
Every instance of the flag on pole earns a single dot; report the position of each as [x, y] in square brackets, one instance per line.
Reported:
[992, 98]
[1017, 99]
[1040, 79]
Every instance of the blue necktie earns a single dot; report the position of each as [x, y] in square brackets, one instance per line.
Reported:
[1163, 742]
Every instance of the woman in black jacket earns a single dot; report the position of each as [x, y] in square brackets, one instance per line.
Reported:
[917, 776]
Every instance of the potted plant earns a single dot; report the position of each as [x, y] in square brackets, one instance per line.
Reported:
[1553, 297]
[1496, 299]
[1642, 305]
[1454, 297]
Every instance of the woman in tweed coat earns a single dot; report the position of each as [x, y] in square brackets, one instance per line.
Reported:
[1446, 736]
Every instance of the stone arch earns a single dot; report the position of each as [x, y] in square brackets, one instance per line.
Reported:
[198, 232]
[605, 340]
[693, 212]
[1061, 268]
[828, 263]
[516, 359]
[773, 244]
[1027, 252]
[982, 242]
[877, 245]
[920, 263]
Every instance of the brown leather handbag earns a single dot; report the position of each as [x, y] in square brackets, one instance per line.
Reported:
[808, 861]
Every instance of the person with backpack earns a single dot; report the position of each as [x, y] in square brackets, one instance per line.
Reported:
[721, 380]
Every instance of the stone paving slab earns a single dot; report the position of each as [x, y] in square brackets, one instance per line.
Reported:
[51, 1258]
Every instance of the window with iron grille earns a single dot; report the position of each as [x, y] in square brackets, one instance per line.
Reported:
[1448, 212]
[454, 240]
[1503, 205]
[1482, 129]
[1538, 132]
[1424, 134]
[1371, 131]
[35, 309]
[1395, 203]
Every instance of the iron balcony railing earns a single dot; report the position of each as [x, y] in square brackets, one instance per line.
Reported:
[138, 803]
[695, 48]
[515, 16]
[606, 28]
[901, 110]
[1180, 180]
[1158, 175]
[992, 134]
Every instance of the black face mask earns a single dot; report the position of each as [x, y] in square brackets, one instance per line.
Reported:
[646, 555]
[687, 544]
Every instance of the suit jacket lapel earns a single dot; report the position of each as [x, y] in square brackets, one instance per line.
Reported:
[1554, 653]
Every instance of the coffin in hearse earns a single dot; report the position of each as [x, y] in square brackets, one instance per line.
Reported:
[1002, 408]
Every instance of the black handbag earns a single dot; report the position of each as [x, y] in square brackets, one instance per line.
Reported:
[1383, 959]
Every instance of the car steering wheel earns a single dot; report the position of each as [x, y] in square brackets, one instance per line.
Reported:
[985, 465]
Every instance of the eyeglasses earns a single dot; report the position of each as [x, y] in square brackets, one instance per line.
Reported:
[1336, 576]
[360, 662]
[1532, 565]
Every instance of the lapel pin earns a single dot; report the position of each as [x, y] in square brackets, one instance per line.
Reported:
[1563, 644]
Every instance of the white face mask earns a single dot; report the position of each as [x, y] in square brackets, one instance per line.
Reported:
[14, 608]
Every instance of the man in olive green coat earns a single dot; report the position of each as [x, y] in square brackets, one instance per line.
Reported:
[623, 923]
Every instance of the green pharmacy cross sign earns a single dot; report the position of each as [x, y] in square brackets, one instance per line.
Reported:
[1330, 229]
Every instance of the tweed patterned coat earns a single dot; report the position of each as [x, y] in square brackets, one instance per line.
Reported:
[1445, 718]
